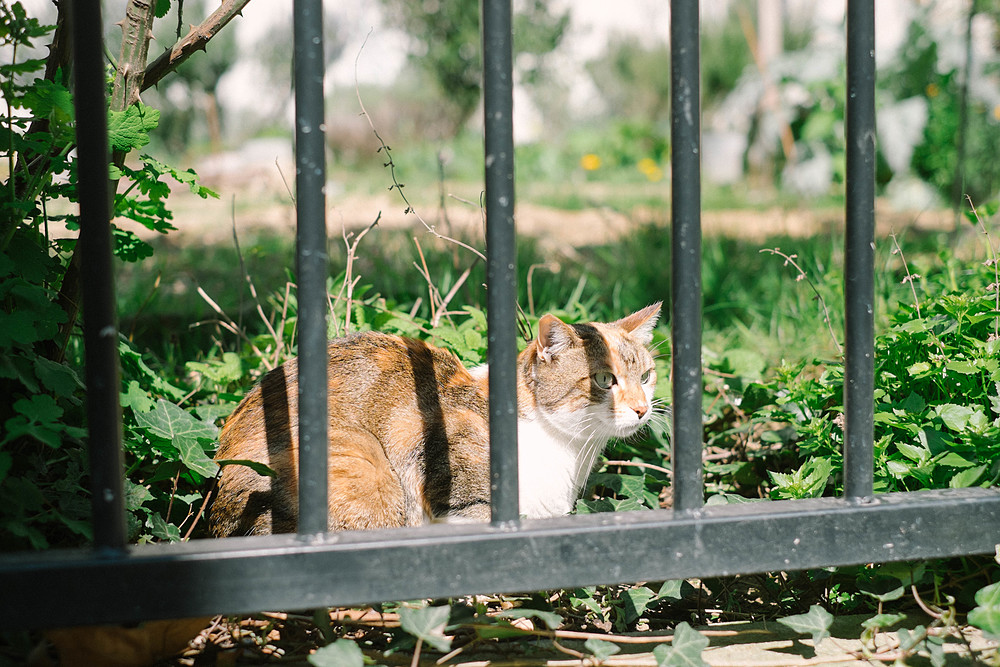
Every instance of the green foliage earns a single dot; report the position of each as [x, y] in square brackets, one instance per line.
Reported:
[341, 653]
[43, 479]
[816, 622]
[427, 624]
[917, 73]
[937, 411]
[685, 650]
[986, 615]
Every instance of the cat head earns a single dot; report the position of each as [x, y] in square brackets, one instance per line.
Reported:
[594, 379]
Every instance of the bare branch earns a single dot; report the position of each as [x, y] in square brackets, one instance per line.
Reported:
[195, 40]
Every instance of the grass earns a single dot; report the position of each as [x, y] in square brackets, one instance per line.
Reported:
[765, 341]
[751, 298]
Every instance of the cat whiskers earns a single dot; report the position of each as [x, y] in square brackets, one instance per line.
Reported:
[595, 441]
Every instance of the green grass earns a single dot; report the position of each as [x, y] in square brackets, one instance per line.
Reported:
[751, 298]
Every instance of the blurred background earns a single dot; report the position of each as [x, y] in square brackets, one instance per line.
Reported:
[593, 146]
[592, 99]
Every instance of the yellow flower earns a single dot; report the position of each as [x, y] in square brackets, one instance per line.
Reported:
[996, 112]
[650, 169]
[590, 162]
[933, 90]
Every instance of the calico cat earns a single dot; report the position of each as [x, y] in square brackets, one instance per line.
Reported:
[409, 437]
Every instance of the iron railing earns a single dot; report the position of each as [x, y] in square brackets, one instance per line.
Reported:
[113, 582]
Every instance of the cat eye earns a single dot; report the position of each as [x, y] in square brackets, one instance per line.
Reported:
[604, 379]
[645, 377]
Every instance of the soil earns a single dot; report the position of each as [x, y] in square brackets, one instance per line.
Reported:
[261, 202]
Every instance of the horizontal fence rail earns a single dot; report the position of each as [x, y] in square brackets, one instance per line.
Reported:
[236, 575]
[117, 583]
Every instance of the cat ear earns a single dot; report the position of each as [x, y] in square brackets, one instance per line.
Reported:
[554, 336]
[640, 323]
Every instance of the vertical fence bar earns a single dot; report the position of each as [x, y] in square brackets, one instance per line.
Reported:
[100, 333]
[501, 259]
[685, 317]
[310, 180]
[859, 259]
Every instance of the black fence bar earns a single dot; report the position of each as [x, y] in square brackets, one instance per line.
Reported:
[501, 259]
[100, 333]
[685, 292]
[310, 181]
[859, 255]
[240, 575]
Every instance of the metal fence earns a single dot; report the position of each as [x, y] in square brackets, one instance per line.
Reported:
[114, 582]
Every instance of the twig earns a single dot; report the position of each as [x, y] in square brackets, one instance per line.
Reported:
[281, 174]
[990, 261]
[897, 250]
[416, 653]
[173, 494]
[451, 293]
[195, 40]
[923, 606]
[349, 280]
[201, 510]
[396, 185]
[637, 464]
[233, 328]
[246, 276]
[432, 290]
[624, 639]
[790, 259]
[568, 651]
[448, 656]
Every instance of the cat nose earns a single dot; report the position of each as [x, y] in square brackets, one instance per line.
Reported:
[640, 410]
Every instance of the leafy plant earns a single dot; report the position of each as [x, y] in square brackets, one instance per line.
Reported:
[42, 449]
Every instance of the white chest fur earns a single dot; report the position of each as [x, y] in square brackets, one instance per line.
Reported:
[552, 468]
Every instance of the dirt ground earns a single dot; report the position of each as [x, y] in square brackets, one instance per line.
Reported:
[261, 202]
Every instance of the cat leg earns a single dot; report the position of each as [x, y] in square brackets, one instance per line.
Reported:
[365, 492]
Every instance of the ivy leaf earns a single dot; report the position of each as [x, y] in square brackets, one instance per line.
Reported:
[130, 128]
[194, 456]
[221, 371]
[134, 366]
[986, 614]
[169, 421]
[634, 602]
[882, 588]
[162, 530]
[883, 621]
[601, 650]
[684, 651]
[427, 623]
[815, 622]
[674, 589]
[341, 653]
[135, 495]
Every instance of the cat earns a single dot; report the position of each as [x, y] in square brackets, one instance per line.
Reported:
[409, 437]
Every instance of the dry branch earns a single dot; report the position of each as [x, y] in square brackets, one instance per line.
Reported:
[196, 39]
